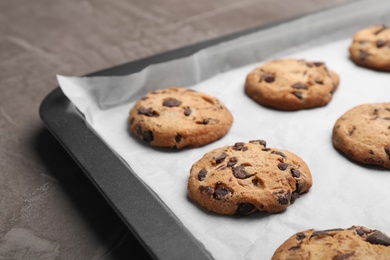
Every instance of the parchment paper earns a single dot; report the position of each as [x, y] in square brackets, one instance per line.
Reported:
[343, 193]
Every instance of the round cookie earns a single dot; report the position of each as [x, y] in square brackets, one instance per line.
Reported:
[248, 177]
[292, 84]
[370, 48]
[363, 134]
[178, 118]
[356, 242]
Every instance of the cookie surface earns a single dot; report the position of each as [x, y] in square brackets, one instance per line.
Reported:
[178, 118]
[292, 84]
[356, 242]
[370, 47]
[248, 177]
[363, 134]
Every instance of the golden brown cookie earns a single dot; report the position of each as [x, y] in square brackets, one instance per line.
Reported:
[370, 47]
[363, 134]
[292, 84]
[178, 118]
[248, 177]
[354, 243]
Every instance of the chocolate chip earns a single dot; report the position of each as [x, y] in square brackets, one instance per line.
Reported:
[279, 153]
[147, 136]
[283, 166]
[384, 27]
[319, 233]
[298, 94]
[238, 146]
[333, 229]
[371, 152]
[178, 138]
[206, 121]
[294, 196]
[295, 173]
[187, 111]
[221, 192]
[294, 247]
[318, 63]
[387, 151]
[206, 189]
[381, 43]
[240, 173]
[319, 81]
[360, 231]
[378, 238]
[147, 111]
[232, 162]
[202, 174]
[171, 102]
[300, 236]
[363, 55]
[299, 85]
[343, 256]
[220, 157]
[284, 199]
[350, 132]
[261, 142]
[244, 209]
[267, 77]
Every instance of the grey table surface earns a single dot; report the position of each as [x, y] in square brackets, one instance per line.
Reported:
[48, 208]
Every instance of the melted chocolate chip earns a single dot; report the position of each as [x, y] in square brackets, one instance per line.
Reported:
[300, 236]
[299, 85]
[381, 43]
[279, 153]
[284, 199]
[220, 157]
[319, 233]
[244, 209]
[240, 173]
[232, 162]
[147, 111]
[202, 174]
[178, 138]
[295, 173]
[378, 238]
[318, 63]
[283, 166]
[261, 142]
[171, 102]
[267, 77]
[221, 192]
[187, 111]
[238, 146]
[363, 55]
[147, 136]
[360, 231]
[298, 94]
[387, 151]
[294, 196]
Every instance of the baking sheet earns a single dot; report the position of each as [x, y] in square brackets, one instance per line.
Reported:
[220, 71]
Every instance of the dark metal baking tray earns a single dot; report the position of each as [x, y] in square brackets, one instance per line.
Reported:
[146, 215]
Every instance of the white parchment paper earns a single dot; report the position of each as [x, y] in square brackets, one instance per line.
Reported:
[343, 193]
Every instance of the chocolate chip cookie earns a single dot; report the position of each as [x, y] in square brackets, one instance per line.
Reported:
[363, 134]
[370, 48]
[356, 242]
[178, 118]
[292, 84]
[248, 177]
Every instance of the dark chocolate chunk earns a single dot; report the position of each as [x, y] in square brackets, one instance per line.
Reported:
[267, 77]
[220, 157]
[147, 135]
[378, 238]
[387, 151]
[284, 199]
[238, 145]
[232, 162]
[283, 166]
[244, 209]
[319, 233]
[363, 55]
[279, 153]
[295, 173]
[381, 43]
[178, 138]
[360, 231]
[300, 236]
[206, 189]
[221, 192]
[187, 111]
[261, 142]
[202, 174]
[294, 196]
[240, 173]
[299, 85]
[298, 94]
[171, 102]
[344, 256]
[147, 111]
[318, 63]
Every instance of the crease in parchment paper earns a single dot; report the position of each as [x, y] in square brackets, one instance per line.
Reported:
[343, 193]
